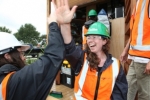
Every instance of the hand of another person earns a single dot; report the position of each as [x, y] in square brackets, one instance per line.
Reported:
[147, 69]
[63, 13]
[52, 16]
[124, 56]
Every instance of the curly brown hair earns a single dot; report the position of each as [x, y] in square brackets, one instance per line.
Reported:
[92, 57]
[16, 59]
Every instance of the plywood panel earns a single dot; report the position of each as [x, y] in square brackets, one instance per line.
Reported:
[117, 37]
[51, 98]
[67, 92]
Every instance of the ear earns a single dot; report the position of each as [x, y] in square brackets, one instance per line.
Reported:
[7, 56]
[104, 41]
[19, 49]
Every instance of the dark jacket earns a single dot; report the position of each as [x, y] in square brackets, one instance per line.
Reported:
[75, 54]
[33, 82]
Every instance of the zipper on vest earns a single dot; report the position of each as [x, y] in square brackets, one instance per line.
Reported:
[97, 85]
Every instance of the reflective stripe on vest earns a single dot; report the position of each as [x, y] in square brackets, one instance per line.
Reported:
[81, 79]
[140, 37]
[3, 86]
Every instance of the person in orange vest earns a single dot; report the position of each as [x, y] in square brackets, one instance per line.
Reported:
[92, 17]
[99, 76]
[138, 50]
[30, 82]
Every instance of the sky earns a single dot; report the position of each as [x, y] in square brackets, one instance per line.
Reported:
[14, 13]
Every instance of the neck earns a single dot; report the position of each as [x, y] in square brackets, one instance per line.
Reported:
[102, 57]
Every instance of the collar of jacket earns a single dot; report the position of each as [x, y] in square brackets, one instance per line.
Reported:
[7, 68]
[108, 62]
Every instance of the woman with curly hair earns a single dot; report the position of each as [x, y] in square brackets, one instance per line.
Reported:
[99, 76]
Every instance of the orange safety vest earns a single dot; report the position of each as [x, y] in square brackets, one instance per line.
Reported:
[3, 86]
[85, 82]
[84, 31]
[140, 30]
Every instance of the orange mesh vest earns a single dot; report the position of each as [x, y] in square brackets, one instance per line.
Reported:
[140, 30]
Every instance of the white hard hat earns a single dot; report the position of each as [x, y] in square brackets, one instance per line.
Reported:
[8, 41]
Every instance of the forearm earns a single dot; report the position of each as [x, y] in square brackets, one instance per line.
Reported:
[41, 74]
[126, 49]
[66, 33]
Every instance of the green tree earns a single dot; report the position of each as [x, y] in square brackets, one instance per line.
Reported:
[4, 29]
[42, 37]
[28, 34]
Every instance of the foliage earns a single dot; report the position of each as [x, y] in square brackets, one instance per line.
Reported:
[28, 34]
[42, 40]
[4, 29]
[43, 37]
[30, 61]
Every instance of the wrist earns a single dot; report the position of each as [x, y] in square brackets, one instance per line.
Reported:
[51, 19]
[66, 33]
[65, 25]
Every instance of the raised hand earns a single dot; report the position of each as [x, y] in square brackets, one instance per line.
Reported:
[63, 13]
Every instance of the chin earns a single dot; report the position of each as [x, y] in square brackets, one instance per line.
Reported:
[93, 51]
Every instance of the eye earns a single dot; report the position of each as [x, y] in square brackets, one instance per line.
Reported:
[94, 37]
[88, 37]
[22, 53]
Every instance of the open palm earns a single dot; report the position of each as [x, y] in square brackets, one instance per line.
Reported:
[63, 13]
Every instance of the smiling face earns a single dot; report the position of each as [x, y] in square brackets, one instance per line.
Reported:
[95, 43]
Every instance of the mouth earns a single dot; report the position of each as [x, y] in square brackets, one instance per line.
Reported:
[92, 45]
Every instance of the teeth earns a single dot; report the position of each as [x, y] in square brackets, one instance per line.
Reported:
[92, 45]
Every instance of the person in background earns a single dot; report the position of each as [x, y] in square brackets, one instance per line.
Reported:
[138, 48]
[92, 17]
[31, 82]
[99, 76]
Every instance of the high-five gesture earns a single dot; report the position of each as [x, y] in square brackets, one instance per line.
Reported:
[63, 13]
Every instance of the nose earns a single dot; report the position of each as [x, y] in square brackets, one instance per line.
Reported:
[24, 58]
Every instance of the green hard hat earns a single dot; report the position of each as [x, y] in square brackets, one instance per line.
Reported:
[98, 28]
[92, 13]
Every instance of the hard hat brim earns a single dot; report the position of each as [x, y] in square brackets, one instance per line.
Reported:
[96, 34]
[25, 47]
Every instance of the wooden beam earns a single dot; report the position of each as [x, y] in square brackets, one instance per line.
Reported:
[85, 2]
[127, 28]
[79, 2]
[48, 13]
[128, 15]
[127, 5]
